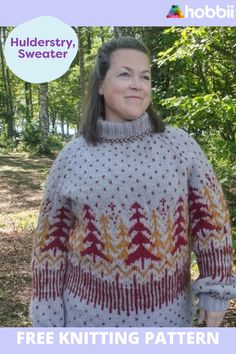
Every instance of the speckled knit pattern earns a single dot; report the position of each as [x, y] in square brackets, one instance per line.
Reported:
[116, 227]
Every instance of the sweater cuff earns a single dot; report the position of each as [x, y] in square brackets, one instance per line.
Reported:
[47, 313]
[210, 303]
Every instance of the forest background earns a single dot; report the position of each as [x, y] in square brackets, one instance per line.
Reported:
[194, 88]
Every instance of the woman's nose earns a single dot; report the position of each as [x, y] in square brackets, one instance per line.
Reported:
[136, 83]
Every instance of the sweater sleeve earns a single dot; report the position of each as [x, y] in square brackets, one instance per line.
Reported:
[210, 232]
[50, 249]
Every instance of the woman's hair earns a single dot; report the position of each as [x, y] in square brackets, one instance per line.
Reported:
[95, 106]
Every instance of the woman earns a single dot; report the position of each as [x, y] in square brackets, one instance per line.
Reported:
[124, 205]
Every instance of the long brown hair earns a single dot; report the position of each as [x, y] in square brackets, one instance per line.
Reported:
[95, 106]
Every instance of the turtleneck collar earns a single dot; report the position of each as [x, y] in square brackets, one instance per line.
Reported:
[108, 130]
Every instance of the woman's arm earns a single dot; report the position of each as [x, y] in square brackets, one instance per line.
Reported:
[211, 238]
[50, 249]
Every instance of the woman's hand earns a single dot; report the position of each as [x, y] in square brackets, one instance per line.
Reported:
[212, 319]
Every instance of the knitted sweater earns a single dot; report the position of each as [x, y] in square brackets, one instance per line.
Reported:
[117, 224]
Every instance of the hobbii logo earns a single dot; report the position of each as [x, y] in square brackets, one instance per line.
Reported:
[209, 12]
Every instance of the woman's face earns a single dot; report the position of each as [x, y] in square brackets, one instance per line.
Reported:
[127, 85]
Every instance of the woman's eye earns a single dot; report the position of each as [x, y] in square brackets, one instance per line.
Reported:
[145, 77]
[124, 74]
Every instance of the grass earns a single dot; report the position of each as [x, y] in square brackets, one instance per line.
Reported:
[21, 221]
[21, 187]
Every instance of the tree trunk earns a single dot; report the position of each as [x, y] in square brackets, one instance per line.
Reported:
[89, 42]
[53, 120]
[28, 102]
[9, 110]
[102, 34]
[43, 114]
[31, 101]
[62, 127]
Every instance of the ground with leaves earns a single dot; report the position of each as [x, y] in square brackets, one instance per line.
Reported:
[21, 187]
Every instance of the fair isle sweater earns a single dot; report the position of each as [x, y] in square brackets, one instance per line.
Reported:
[117, 224]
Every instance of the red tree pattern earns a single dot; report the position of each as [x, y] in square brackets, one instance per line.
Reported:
[179, 236]
[95, 245]
[139, 238]
[199, 214]
[59, 232]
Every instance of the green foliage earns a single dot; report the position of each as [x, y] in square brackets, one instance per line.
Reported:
[29, 141]
[8, 144]
[221, 153]
[55, 143]
[52, 145]
[203, 113]
[30, 137]
[63, 98]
